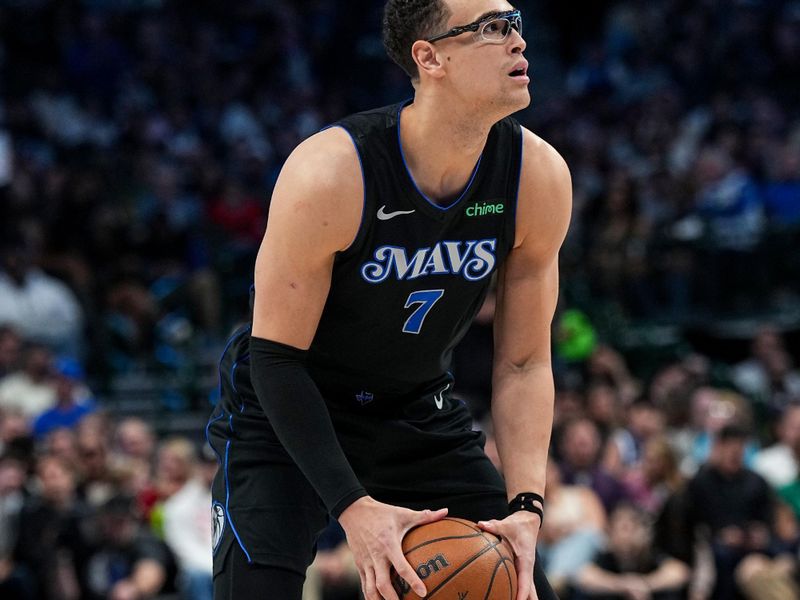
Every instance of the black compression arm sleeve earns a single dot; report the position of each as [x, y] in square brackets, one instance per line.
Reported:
[301, 421]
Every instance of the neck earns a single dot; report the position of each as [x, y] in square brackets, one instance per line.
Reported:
[442, 145]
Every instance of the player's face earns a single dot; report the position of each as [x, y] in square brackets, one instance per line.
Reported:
[486, 68]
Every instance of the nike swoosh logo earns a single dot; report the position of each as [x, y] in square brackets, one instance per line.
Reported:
[384, 216]
[438, 399]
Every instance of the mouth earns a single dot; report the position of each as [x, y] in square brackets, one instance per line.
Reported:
[520, 70]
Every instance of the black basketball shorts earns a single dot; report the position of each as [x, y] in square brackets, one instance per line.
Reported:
[422, 455]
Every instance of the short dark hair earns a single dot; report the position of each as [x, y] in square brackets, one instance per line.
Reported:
[732, 431]
[405, 22]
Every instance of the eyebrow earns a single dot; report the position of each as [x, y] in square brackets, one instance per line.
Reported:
[493, 13]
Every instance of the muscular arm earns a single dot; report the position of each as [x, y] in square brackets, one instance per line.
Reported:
[522, 403]
[315, 212]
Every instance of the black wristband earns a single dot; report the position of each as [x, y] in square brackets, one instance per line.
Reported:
[527, 501]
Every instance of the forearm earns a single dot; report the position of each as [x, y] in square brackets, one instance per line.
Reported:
[522, 412]
[594, 580]
[671, 575]
[148, 578]
[300, 418]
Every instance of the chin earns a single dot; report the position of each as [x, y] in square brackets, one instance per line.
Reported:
[514, 100]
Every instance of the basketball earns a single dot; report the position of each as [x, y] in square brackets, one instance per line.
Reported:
[457, 560]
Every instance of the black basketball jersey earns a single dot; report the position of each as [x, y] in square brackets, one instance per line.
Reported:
[406, 290]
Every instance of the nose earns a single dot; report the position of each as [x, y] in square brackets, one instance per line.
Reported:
[517, 43]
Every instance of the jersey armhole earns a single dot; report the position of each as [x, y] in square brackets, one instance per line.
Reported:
[518, 128]
[363, 184]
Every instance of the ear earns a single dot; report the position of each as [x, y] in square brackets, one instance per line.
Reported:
[428, 59]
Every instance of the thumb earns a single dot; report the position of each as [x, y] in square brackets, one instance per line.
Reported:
[488, 525]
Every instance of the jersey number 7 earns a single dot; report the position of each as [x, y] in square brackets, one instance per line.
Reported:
[426, 299]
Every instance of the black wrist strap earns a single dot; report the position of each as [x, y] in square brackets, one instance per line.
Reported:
[530, 502]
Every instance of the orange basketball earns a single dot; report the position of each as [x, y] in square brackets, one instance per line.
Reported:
[457, 560]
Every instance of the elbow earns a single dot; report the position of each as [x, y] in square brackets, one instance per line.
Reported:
[522, 365]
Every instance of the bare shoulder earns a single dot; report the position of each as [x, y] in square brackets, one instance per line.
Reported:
[545, 194]
[321, 187]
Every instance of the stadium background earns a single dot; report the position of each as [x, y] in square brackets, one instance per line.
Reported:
[139, 142]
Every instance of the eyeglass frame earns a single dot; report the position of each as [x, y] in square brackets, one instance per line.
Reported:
[475, 26]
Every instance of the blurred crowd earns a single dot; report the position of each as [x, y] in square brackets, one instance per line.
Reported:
[139, 143]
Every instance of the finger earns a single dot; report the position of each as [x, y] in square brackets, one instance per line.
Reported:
[370, 590]
[363, 579]
[383, 582]
[525, 588]
[421, 517]
[407, 572]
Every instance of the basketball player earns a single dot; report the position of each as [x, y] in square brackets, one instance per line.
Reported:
[384, 232]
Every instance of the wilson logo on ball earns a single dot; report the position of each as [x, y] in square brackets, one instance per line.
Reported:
[434, 565]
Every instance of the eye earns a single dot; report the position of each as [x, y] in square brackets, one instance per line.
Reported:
[495, 27]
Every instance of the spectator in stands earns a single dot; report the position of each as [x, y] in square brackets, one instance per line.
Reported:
[187, 526]
[604, 407]
[656, 478]
[10, 350]
[789, 492]
[40, 307]
[713, 409]
[767, 375]
[782, 192]
[50, 533]
[128, 563]
[778, 463]
[734, 505]
[175, 465]
[626, 446]
[97, 482]
[132, 460]
[134, 438]
[15, 432]
[608, 365]
[573, 531]
[62, 442]
[569, 404]
[13, 478]
[73, 399]
[630, 568]
[580, 447]
[129, 322]
[617, 243]
[31, 389]
[728, 201]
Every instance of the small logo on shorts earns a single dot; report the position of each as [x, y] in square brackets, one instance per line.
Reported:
[364, 398]
[217, 524]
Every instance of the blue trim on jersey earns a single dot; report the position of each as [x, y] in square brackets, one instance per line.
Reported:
[411, 177]
[208, 440]
[363, 180]
[233, 378]
[227, 499]
[230, 422]
[519, 177]
[232, 339]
